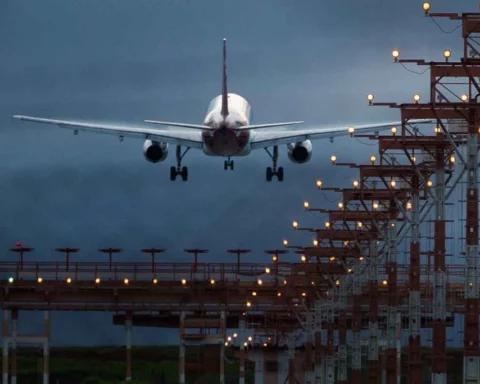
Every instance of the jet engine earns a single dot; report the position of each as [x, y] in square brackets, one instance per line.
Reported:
[154, 151]
[300, 152]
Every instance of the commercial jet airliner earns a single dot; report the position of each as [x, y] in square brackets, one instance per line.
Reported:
[227, 131]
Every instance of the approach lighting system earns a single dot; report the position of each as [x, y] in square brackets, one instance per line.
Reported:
[319, 184]
[333, 159]
[340, 205]
[39, 280]
[426, 7]
[285, 243]
[395, 54]
[306, 205]
[97, 280]
[125, 281]
[351, 131]
[327, 224]
[370, 98]
[464, 98]
[394, 130]
[452, 159]
[437, 130]
[315, 242]
[375, 205]
[10, 280]
[184, 281]
[355, 184]
[373, 159]
[447, 53]
[69, 280]
[416, 98]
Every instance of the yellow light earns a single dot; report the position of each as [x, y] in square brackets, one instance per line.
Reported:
[303, 258]
[97, 280]
[416, 97]
[319, 183]
[274, 258]
[39, 280]
[360, 258]
[267, 270]
[235, 335]
[212, 281]
[250, 338]
[340, 205]
[393, 183]
[414, 159]
[185, 282]
[332, 258]
[279, 294]
[304, 294]
[226, 344]
[452, 159]
[125, 281]
[306, 204]
[373, 159]
[333, 159]
[409, 205]
[69, 280]
[395, 54]
[337, 282]
[464, 98]
[259, 282]
[429, 183]
[375, 205]
[393, 130]
[245, 344]
[229, 338]
[264, 344]
[447, 53]
[327, 224]
[345, 243]
[313, 283]
[370, 98]
[384, 282]
[254, 293]
[355, 183]
[10, 280]
[437, 129]
[249, 304]
[294, 224]
[349, 270]
[154, 281]
[285, 242]
[360, 224]
[284, 282]
[426, 6]
[351, 131]
[315, 242]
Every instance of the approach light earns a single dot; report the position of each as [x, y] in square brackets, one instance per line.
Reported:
[393, 183]
[349, 270]
[395, 54]
[249, 304]
[416, 98]
[332, 258]
[373, 159]
[315, 242]
[359, 224]
[155, 281]
[303, 258]
[229, 338]
[226, 344]
[452, 159]
[437, 130]
[274, 258]
[414, 159]
[384, 282]
[264, 344]
[306, 205]
[69, 280]
[125, 281]
[39, 280]
[333, 159]
[340, 205]
[97, 280]
[259, 282]
[370, 98]
[245, 344]
[267, 270]
[447, 53]
[295, 224]
[409, 205]
[184, 281]
[327, 224]
[284, 282]
[464, 98]
[285, 243]
[375, 205]
[393, 130]
[319, 184]
[426, 7]
[212, 281]
[254, 293]
[279, 294]
[429, 183]
[235, 335]
[360, 258]
[304, 294]
[337, 283]
[351, 131]
[355, 183]
[10, 280]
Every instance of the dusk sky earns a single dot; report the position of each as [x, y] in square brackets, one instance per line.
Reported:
[126, 61]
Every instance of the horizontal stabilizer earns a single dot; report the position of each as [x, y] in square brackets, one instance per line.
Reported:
[274, 125]
[182, 125]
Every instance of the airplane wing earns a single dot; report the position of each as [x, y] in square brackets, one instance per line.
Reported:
[266, 139]
[181, 125]
[263, 126]
[191, 139]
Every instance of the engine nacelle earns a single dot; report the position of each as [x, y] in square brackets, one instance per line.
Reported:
[300, 152]
[154, 151]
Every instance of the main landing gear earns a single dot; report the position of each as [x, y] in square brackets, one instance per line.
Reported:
[228, 164]
[273, 171]
[179, 170]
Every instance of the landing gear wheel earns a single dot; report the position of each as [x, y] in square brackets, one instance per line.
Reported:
[269, 174]
[273, 171]
[228, 164]
[184, 173]
[179, 170]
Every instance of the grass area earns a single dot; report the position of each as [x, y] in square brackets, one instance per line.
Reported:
[159, 365]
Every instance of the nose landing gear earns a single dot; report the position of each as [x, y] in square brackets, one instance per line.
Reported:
[274, 171]
[228, 164]
[179, 170]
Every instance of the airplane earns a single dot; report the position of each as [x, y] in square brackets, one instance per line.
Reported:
[227, 131]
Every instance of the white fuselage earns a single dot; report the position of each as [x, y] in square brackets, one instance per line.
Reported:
[226, 139]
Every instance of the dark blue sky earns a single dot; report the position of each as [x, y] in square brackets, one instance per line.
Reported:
[126, 61]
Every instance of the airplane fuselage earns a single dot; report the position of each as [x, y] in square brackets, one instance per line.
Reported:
[226, 138]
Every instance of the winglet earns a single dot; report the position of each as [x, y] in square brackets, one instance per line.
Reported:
[224, 111]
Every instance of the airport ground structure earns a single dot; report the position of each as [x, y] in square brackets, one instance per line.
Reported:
[376, 269]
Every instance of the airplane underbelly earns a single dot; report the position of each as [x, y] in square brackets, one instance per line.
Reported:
[225, 142]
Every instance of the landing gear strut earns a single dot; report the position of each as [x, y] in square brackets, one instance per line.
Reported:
[273, 171]
[228, 164]
[179, 170]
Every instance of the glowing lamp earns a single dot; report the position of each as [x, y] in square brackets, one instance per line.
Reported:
[393, 130]
[447, 53]
[319, 183]
[303, 258]
[351, 131]
[285, 242]
[395, 54]
[306, 204]
[370, 98]
[355, 183]
[333, 159]
[315, 242]
[464, 98]
[452, 159]
[416, 97]
[373, 159]
[295, 224]
[340, 205]
[267, 270]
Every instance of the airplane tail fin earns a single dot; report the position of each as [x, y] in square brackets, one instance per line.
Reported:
[224, 82]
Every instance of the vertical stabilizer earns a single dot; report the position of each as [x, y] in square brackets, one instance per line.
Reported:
[224, 82]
